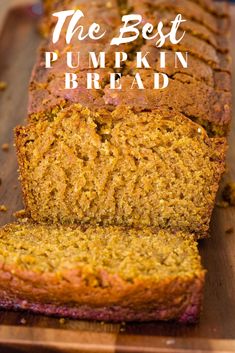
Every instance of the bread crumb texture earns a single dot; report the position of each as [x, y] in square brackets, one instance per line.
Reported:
[125, 252]
[120, 167]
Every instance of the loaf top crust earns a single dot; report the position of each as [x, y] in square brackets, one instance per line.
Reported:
[201, 92]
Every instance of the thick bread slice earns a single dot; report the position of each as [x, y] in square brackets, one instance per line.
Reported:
[112, 273]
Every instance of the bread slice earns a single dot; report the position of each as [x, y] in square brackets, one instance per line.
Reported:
[217, 8]
[218, 41]
[111, 273]
[120, 168]
[190, 10]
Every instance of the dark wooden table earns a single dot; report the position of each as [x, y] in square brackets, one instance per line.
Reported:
[23, 332]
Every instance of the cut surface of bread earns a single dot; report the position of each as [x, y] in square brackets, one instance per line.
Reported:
[105, 273]
[120, 168]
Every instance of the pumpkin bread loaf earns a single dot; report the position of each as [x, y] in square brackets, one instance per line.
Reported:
[100, 273]
[120, 183]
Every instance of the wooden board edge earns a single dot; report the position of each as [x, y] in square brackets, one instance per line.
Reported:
[87, 341]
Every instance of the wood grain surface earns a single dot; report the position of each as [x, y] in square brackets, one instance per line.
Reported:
[23, 332]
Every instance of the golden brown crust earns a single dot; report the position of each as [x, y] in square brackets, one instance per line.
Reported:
[180, 299]
[190, 10]
[201, 92]
[73, 288]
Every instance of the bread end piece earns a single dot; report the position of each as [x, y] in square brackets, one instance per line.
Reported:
[100, 273]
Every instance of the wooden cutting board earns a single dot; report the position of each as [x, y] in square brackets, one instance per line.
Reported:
[23, 332]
